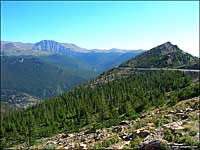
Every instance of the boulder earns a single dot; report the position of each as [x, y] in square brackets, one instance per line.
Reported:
[149, 124]
[98, 137]
[153, 145]
[83, 146]
[169, 115]
[189, 110]
[117, 129]
[171, 112]
[126, 122]
[66, 147]
[179, 111]
[71, 135]
[64, 135]
[174, 125]
[131, 136]
[123, 136]
[51, 142]
[143, 134]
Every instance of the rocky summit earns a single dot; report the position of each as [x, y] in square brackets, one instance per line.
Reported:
[165, 55]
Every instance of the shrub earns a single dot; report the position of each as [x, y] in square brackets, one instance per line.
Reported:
[161, 122]
[193, 132]
[107, 143]
[187, 127]
[49, 147]
[163, 146]
[169, 136]
[97, 146]
[136, 142]
[188, 140]
[110, 141]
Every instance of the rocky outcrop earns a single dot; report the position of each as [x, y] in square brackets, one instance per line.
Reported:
[51, 46]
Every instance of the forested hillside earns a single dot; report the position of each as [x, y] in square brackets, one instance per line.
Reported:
[48, 68]
[36, 77]
[106, 104]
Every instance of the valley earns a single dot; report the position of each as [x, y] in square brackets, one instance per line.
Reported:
[128, 106]
[100, 75]
[49, 68]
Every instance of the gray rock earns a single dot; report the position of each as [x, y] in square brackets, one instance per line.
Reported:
[131, 136]
[153, 145]
[83, 146]
[143, 134]
[117, 129]
[123, 136]
[179, 111]
[126, 122]
[189, 110]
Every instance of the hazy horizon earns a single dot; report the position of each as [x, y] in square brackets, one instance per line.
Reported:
[103, 25]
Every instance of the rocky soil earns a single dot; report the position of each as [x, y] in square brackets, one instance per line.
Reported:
[174, 127]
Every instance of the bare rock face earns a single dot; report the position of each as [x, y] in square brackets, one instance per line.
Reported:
[51, 46]
[167, 47]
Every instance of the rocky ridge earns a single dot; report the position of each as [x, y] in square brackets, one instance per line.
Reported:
[122, 72]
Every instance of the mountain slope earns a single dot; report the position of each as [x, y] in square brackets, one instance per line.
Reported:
[75, 47]
[166, 55]
[101, 106]
[15, 45]
[19, 48]
[36, 77]
[72, 65]
[98, 60]
[17, 99]
[103, 61]
[123, 97]
[157, 128]
[78, 64]
[95, 59]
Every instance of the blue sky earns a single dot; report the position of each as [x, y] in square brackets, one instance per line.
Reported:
[104, 25]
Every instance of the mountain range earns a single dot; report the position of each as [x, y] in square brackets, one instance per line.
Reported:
[96, 59]
[118, 98]
[52, 46]
[48, 68]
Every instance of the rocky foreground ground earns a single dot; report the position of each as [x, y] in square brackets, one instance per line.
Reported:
[174, 127]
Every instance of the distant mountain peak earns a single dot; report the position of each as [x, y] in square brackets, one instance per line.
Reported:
[167, 43]
[47, 41]
[51, 46]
